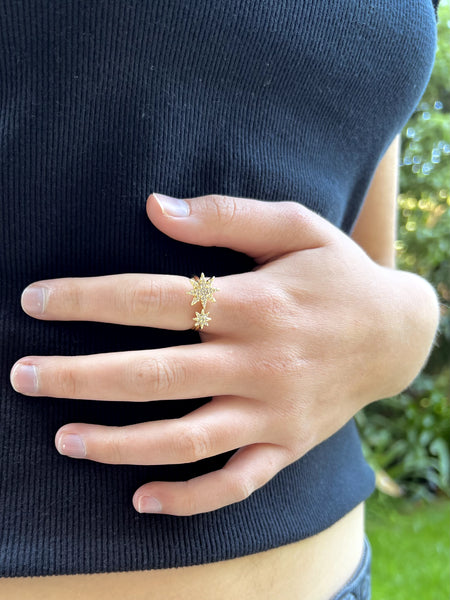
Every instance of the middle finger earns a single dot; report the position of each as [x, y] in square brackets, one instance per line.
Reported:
[177, 372]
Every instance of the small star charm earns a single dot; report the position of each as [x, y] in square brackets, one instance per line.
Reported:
[201, 319]
[203, 290]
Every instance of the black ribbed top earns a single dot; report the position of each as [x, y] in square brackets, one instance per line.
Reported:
[103, 102]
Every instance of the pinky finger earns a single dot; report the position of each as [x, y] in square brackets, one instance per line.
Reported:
[247, 470]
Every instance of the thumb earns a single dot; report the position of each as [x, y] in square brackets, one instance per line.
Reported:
[261, 229]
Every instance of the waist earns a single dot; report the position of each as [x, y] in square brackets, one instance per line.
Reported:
[290, 572]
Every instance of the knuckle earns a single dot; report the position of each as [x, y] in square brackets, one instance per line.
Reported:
[298, 215]
[302, 443]
[301, 218]
[242, 487]
[190, 499]
[66, 382]
[114, 450]
[271, 308]
[157, 374]
[226, 208]
[268, 307]
[293, 451]
[72, 297]
[144, 298]
[193, 443]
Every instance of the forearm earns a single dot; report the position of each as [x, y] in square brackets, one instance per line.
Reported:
[376, 227]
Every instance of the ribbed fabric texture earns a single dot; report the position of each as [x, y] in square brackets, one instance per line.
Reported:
[103, 102]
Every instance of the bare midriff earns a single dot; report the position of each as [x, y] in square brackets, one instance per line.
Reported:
[314, 568]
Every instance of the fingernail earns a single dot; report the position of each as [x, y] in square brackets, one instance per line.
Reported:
[72, 445]
[34, 299]
[149, 504]
[172, 207]
[24, 379]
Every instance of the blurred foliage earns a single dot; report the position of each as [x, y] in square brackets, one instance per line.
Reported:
[406, 439]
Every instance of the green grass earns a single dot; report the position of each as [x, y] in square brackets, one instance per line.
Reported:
[411, 549]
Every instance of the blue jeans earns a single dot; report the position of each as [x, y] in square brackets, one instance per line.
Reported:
[358, 587]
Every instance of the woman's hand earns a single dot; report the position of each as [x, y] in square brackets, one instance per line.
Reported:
[293, 350]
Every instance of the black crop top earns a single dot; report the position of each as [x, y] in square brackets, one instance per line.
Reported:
[102, 103]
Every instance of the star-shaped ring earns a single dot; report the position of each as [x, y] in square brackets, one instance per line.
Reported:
[202, 291]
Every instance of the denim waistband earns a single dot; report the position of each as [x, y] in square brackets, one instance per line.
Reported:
[359, 586]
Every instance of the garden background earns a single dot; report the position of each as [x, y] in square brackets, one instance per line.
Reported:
[406, 439]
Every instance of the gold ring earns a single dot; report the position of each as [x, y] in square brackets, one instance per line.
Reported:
[203, 291]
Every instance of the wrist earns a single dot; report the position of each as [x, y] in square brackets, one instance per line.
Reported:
[410, 323]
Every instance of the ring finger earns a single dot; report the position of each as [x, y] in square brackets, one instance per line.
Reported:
[161, 301]
[224, 424]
